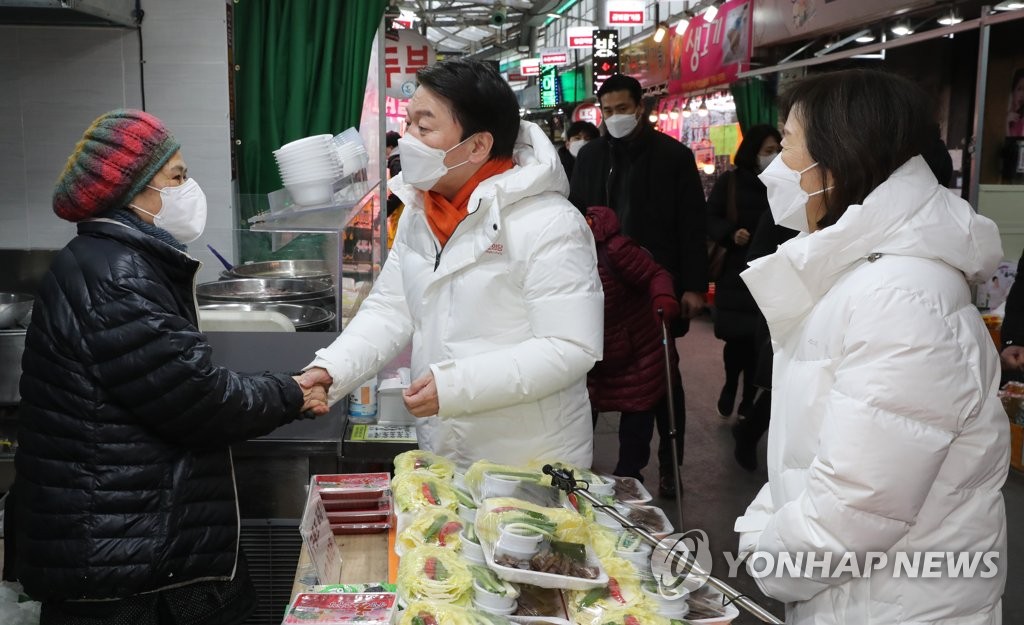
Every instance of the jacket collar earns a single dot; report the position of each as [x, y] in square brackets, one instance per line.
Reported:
[177, 263]
[909, 214]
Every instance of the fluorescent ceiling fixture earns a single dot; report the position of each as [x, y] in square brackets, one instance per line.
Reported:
[659, 34]
[951, 18]
[901, 29]
[555, 16]
[1009, 6]
[681, 26]
[653, 118]
[711, 13]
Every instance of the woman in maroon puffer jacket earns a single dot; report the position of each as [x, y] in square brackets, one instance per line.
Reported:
[631, 377]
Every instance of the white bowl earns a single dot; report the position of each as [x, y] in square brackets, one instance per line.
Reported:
[507, 612]
[604, 488]
[311, 193]
[471, 550]
[522, 541]
[489, 601]
[304, 142]
[604, 520]
[467, 514]
[498, 486]
[669, 608]
[641, 558]
[310, 176]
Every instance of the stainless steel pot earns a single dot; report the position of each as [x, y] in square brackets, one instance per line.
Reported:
[15, 309]
[305, 318]
[12, 346]
[282, 269]
[263, 290]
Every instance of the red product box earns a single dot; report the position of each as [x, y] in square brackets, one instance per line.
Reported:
[340, 529]
[341, 609]
[353, 486]
[378, 513]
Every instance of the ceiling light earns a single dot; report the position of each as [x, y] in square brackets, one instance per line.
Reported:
[1009, 6]
[901, 29]
[952, 18]
[681, 26]
[659, 34]
[687, 112]
[868, 38]
[709, 168]
[662, 116]
[653, 118]
[702, 110]
[673, 113]
[555, 16]
[711, 13]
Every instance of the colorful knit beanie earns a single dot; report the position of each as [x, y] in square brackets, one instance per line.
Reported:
[117, 156]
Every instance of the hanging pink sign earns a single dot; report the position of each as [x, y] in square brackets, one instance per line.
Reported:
[712, 53]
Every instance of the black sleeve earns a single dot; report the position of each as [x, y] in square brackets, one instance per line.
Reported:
[582, 171]
[720, 229]
[1013, 321]
[768, 237]
[158, 366]
[692, 233]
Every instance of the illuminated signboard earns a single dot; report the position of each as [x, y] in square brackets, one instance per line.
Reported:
[550, 89]
[605, 56]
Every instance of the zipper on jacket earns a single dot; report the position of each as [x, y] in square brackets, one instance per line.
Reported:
[873, 256]
[437, 257]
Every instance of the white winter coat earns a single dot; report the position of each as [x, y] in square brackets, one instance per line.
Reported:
[886, 432]
[509, 321]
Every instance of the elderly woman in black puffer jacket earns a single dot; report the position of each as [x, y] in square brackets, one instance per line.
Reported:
[125, 496]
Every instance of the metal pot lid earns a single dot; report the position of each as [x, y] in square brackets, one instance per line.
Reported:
[282, 269]
[301, 316]
[264, 290]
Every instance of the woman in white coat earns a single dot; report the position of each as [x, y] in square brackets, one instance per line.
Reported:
[887, 441]
[492, 276]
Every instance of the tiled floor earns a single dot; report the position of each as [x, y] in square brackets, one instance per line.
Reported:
[716, 490]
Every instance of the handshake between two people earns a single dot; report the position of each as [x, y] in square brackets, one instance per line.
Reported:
[420, 398]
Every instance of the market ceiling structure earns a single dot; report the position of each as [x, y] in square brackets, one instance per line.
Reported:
[470, 26]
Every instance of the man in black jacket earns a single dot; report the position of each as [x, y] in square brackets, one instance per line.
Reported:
[651, 182]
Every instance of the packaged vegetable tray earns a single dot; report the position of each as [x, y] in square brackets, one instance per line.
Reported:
[420, 489]
[429, 613]
[431, 526]
[422, 460]
[435, 574]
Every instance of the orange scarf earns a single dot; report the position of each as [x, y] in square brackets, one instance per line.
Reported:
[444, 216]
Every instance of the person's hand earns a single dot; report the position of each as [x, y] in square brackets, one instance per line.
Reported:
[668, 306]
[691, 304]
[741, 237]
[421, 397]
[1013, 357]
[314, 394]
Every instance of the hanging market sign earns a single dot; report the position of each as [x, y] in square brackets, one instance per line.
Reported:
[605, 54]
[405, 53]
[550, 89]
[785, 20]
[711, 53]
[580, 36]
[587, 113]
[625, 13]
[647, 61]
[554, 56]
[529, 67]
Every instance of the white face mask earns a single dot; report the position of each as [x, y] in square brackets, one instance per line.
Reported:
[787, 200]
[422, 165]
[575, 146]
[621, 125]
[764, 160]
[182, 212]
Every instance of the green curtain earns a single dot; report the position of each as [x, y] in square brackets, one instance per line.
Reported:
[302, 68]
[755, 103]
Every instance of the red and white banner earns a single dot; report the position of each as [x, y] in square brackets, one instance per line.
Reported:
[405, 53]
[529, 67]
[625, 13]
[580, 36]
[711, 53]
[554, 56]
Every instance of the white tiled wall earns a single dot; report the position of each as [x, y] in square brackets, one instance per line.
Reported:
[55, 80]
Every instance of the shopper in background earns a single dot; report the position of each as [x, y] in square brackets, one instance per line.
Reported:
[1012, 331]
[887, 435]
[651, 182]
[576, 136]
[638, 297]
[493, 277]
[735, 206]
[125, 495]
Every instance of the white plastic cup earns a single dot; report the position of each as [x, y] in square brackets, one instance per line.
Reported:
[490, 601]
[471, 550]
[498, 486]
[604, 487]
[670, 608]
[506, 612]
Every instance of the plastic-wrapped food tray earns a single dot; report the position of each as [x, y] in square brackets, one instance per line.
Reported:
[630, 485]
[337, 505]
[538, 620]
[362, 486]
[374, 515]
[545, 580]
[661, 529]
[359, 528]
[341, 608]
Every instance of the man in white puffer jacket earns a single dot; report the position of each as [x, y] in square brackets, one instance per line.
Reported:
[493, 276]
[886, 435]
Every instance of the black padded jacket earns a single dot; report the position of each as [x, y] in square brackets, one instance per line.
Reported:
[125, 481]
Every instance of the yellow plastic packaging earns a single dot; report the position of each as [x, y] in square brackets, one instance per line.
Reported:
[421, 460]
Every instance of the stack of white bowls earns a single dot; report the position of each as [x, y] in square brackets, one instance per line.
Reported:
[309, 167]
[351, 152]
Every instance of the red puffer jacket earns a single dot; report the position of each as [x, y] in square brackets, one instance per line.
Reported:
[631, 377]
